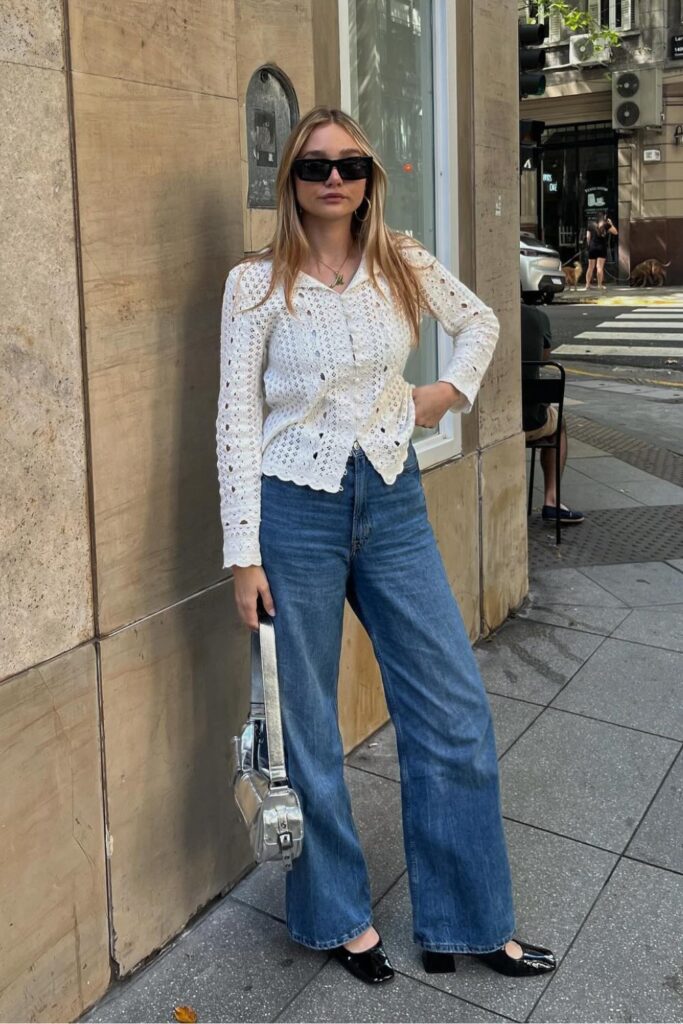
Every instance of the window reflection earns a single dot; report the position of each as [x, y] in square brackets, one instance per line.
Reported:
[392, 95]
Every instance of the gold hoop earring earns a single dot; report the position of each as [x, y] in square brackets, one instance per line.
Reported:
[367, 212]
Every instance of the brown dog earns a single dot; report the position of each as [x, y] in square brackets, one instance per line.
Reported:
[649, 273]
[573, 274]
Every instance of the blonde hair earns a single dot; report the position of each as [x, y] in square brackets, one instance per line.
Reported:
[382, 246]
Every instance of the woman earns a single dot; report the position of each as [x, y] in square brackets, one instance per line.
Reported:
[596, 240]
[322, 500]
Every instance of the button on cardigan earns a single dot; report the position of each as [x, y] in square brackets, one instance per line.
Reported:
[297, 390]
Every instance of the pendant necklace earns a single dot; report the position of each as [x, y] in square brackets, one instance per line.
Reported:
[338, 278]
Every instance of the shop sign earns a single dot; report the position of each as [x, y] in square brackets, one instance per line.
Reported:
[677, 47]
[550, 184]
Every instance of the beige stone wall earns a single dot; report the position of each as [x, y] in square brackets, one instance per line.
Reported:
[45, 576]
[54, 940]
[661, 184]
[504, 578]
[125, 669]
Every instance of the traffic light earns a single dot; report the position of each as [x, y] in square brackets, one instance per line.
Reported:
[531, 82]
[530, 135]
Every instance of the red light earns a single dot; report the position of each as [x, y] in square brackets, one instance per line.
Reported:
[407, 168]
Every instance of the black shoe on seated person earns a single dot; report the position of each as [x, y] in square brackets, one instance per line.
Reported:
[568, 516]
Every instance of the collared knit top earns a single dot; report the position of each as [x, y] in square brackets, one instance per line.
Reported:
[297, 390]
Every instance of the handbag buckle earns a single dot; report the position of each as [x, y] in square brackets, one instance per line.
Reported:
[285, 840]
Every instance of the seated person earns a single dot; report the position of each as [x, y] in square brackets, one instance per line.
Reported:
[540, 420]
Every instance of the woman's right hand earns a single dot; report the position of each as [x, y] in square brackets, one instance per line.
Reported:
[251, 583]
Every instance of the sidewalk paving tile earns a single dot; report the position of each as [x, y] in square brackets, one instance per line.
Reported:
[584, 779]
[677, 563]
[639, 584]
[378, 754]
[533, 661]
[336, 997]
[612, 471]
[566, 597]
[556, 881]
[629, 684]
[653, 492]
[601, 621]
[571, 587]
[581, 450]
[626, 962]
[580, 490]
[234, 965]
[376, 805]
[510, 719]
[590, 496]
[659, 840]
[657, 626]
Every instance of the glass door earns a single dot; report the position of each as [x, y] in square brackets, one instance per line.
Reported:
[578, 179]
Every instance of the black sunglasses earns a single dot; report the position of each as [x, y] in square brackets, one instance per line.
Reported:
[350, 168]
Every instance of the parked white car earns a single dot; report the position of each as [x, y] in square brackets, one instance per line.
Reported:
[540, 270]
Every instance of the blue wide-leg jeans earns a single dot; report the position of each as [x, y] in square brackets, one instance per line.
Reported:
[372, 544]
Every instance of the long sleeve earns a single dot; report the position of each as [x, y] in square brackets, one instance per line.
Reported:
[239, 425]
[470, 322]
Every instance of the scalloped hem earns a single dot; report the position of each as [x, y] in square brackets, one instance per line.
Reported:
[302, 483]
[242, 562]
[390, 479]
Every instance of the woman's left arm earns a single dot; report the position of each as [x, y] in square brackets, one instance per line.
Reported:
[472, 325]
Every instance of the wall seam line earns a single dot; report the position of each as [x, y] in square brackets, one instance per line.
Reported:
[87, 423]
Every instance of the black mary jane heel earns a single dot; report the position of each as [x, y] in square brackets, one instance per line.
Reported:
[534, 960]
[372, 965]
[438, 963]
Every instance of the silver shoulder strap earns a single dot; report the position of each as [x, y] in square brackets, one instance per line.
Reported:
[265, 695]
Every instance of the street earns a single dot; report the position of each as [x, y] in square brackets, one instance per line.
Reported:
[646, 336]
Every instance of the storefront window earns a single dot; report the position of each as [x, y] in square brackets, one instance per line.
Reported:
[392, 96]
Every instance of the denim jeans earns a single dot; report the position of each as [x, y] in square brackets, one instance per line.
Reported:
[372, 544]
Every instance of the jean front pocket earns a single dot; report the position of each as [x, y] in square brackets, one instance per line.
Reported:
[411, 465]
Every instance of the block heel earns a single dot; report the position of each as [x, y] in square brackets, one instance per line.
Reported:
[438, 963]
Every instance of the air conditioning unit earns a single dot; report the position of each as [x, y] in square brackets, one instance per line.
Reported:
[584, 51]
[637, 99]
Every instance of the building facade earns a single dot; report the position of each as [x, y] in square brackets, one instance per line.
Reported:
[587, 163]
[141, 143]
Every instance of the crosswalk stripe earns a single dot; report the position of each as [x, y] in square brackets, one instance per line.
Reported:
[653, 313]
[634, 325]
[631, 336]
[615, 350]
[658, 309]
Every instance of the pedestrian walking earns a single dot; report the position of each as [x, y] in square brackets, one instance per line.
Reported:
[597, 238]
[322, 501]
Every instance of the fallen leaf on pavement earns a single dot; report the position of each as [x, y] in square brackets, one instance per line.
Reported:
[185, 1014]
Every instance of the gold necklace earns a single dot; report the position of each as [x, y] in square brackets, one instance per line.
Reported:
[338, 278]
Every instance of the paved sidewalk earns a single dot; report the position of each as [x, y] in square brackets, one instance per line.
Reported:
[622, 295]
[585, 685]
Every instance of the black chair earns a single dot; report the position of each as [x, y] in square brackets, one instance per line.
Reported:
[546, 390]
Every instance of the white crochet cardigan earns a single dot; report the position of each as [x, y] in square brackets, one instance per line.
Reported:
[330, 375]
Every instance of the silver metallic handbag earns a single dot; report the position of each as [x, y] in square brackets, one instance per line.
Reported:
[270, 808]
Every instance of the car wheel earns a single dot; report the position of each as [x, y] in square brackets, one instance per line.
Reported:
[530, 298]
[548, 298]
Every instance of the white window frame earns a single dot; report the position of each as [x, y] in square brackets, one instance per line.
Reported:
[594, 6]
[447, 442]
